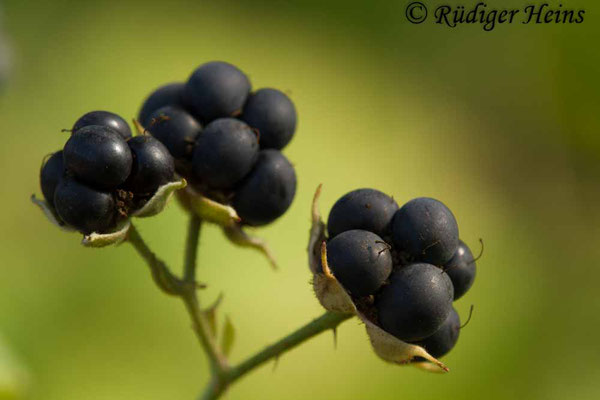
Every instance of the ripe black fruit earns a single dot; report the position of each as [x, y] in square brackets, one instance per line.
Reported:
[51, 174]
[225, 152]
[360, 260]
[416, 302]
[152, 166]
[274, 115]
[444, 339]
[84, 208]
[461, 270]
[176, 129]
[167, 95]
[104, 118]
[426, 229]
[367, 209]
[268, 190]
[216, 90]
[98, 156]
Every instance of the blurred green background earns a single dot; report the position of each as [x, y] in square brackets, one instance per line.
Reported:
[502, 126]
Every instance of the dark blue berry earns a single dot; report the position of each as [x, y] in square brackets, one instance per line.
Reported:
[216, 90]
[367, 209]
[273, 114]
[98, 156]
[176, 129]
[84, 208]
[51, 174]
[268, 190]
[167, 95]
[461, 270]
[416, 302]
[360, 260]
[225, 152]
[425, 229]
[104, 118]
[152, 166]
[444, 339]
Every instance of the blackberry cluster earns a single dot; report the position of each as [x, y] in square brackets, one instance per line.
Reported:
[226, 140]
[103, 174]
[402, 266]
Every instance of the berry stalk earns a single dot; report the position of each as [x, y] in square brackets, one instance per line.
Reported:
[328, 321]
[218, 362]
[223, 375]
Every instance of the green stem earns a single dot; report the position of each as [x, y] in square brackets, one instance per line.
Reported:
[191, 248]
[217, 361]
[223, 375]
[185, 289]
[161, 274]
[328, 321]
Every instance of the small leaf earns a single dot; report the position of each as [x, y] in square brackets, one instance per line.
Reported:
[160, 199]
[50, 213]
[236, 235]
[106, 239]
[207, 209]
[228, 337]
[210, 314]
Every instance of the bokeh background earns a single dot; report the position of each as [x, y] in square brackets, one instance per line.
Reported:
[502, 126]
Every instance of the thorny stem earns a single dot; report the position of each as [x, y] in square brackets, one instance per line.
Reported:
[223, 375]
[328, 321]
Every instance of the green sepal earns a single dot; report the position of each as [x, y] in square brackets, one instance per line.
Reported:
[160, 199]
[207, 209]
[106, 239]
[238, 236]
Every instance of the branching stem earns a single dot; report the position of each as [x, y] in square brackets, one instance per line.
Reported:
[222, 374]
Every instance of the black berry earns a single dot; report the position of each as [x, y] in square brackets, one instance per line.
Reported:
[167, 95]
[444, 339]
[367, 209]
[360, 260]
[104, 118]
[176, 129]
[98, 156]
[152, 166]
[416, 302]
[268, 190]
[426, 229]
[216, 90]
[84, 208]
[51, 174]
[273, 114]
[225, 152]
[461, 270]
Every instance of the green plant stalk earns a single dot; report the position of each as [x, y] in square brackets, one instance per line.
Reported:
[189, 296]
[328, 321]
[222, 375]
